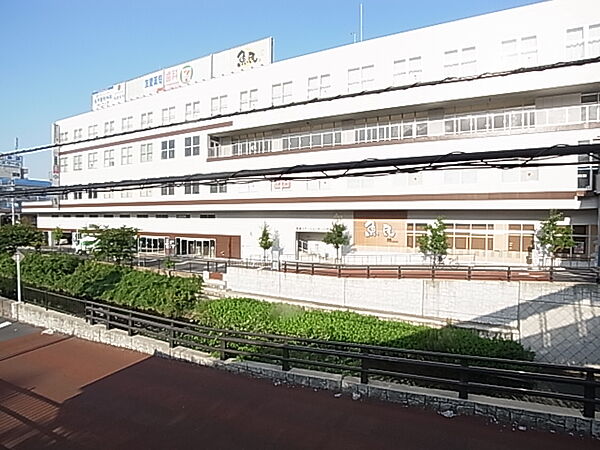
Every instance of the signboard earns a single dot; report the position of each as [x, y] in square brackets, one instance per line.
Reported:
[247, 56]
[111, 96]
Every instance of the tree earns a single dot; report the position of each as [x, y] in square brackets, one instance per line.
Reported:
[19, 235]
[265, 240]
[114, 244]
[435, 243]
[554, 237]
[57, 235]
[337, 236]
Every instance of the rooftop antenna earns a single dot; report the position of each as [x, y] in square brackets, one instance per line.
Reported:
[16, 143]
[360, 21]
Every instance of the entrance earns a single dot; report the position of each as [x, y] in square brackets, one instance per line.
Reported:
[205, 248]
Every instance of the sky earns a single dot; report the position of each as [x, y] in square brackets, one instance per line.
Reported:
[55, 53]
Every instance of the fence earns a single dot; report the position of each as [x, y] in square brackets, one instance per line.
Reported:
[533, 381]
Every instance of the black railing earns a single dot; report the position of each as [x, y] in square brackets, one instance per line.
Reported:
[532, 381]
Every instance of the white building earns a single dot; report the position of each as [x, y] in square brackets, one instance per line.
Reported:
[520, 78]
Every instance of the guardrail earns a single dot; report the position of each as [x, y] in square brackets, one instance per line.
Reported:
[501, 273]
[464, 374]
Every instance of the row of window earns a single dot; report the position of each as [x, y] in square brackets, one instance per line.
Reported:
[140, 216]
[522, 51]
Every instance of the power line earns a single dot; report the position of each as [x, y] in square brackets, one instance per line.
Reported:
[486, 75]
[490, 159]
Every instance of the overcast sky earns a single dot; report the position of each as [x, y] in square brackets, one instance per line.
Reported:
[55, 53]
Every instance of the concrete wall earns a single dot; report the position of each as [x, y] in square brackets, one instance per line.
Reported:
[559, 321]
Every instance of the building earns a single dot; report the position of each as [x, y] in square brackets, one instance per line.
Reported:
[505, 80]
[14, 175]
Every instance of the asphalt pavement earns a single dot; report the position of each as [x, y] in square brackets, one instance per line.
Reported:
[10, 329]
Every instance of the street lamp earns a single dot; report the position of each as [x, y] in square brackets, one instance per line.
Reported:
[17, 258]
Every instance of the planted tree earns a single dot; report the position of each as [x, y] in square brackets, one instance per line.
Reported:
[19, 235]
[57, 235]
[434, 244]
[265, 241]
[553, 237]
[115, 244]
[337, 236]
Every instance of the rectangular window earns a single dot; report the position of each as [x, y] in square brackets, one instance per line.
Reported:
[529, 51]
[220, 187]
[574, 46]
[64, 161]
[146, 153]
[127, 123]
[126, 155]
[192, 111]
[361, 78]
[146, 192]
[407, 70]
[192, 188]
[92, 131]
[109, 127]
[192, 146]
[78, 195]
[77, 162]
[594, 41]
[168, 115]
[168, 189]
[468, 61]
[451, 63]
[92, 194]
[167, 149]
[147, 119]
[319, 86]
[218, 105]
[77, 134]
[109, 158]
[93, 160]
[63, 137]
[281, 93]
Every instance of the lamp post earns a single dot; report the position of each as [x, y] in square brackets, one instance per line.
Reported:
[17, 257]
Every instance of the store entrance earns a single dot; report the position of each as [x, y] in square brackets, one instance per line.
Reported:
[205, 248]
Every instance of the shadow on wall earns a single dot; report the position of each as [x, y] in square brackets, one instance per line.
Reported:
[561, 326]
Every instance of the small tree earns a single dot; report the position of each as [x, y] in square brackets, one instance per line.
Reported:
[115, 244]
[57, 235]
[265, 240]
[337, 236]
[19, 235]
[554, 237]
[434, 244]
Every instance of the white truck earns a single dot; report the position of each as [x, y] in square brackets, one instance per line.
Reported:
[84, 243]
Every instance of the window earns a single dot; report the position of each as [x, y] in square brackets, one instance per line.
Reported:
[127, 123]
[162, 216]
[146, 192]
[64, 161]
[460, 62]
[168, 115]
[126, 155]
[575, 48]
[461, 236]
[147, 119]
[407, 70]
[77, 162]
[361, 78]
[519, 53]
[192, 146]
[146, 153]
[281, 93]
[109, 127]
[63, 137]
[192, 111]
[220, 187]
[92, 194]
[64, 196]
[167, 149]
[78, 195]
[77, 134]
[126, 194]
[183, 216]
[218, 105]
[207, 215]
[142, 216]
[248, 100]
[318, 86]
[108, 195]
[520, 237]
[109, 158]
[93, 160]
[594, 41]
[192, 188]
[168, 189]
[93, 131]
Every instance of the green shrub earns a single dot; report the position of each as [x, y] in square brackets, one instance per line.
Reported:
[48, 271]
[92, 279]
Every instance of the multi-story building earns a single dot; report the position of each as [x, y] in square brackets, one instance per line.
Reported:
[526, 77]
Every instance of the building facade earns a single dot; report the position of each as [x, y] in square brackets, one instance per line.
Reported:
[500, 81]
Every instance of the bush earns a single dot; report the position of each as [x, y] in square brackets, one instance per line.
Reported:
[258, 316]
[48, 271]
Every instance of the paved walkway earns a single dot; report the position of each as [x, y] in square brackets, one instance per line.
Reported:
[64, 393]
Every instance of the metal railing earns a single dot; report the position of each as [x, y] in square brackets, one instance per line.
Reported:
[531, 381]
[506, 121]
[450, 272]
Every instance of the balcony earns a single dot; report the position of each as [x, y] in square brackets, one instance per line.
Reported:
[401, 128]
